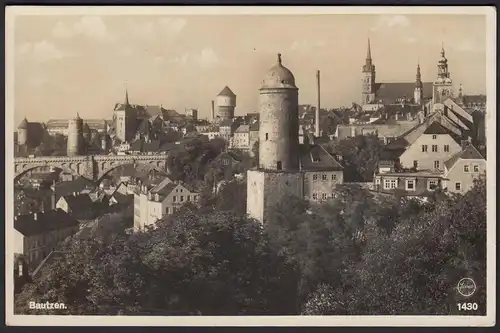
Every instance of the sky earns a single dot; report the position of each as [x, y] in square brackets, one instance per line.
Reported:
[71, 63]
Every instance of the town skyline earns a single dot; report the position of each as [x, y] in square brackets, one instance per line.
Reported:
[177, 62]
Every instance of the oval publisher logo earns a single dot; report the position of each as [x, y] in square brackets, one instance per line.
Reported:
[466, 287]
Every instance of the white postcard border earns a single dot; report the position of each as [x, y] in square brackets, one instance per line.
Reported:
[33, 320]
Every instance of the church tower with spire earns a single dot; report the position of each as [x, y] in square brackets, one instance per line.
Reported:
[368, 78]
[443, 85]
[418, 95]
[124, 120]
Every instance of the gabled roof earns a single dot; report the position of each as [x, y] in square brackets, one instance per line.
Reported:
[28, 225]
[315, 157]
[78, 202]
[389, 92]
[122, 198]
[243, 129]
[226, 92]
[436, 128]
[69, 187]
[469, 153]
[254, 127]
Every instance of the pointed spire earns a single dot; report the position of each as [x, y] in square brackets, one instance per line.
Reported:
[418, 80]
[279, 58]
[126, 94]
[369, 51]
[442, 50]
[460, 92]
[78, 116]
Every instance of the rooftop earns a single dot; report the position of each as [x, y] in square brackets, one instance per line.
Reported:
[41, 222]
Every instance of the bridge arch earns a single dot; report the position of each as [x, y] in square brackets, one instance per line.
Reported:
[24, 170]
[149, 166]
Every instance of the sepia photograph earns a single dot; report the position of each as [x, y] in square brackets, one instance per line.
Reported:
[242, 166]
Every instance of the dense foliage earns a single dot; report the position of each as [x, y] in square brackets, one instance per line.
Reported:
[360, 155]
[356, 254]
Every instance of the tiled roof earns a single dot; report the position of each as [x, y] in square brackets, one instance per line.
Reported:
[469, 153]
[226, 122]
[78, 202]
[315, 157]
[474, 99]
[226, 92]
[436, 128]
[122, 198]
[144, 127]
[45, 221]
[389, 92]
[243, 129]
[69, 187]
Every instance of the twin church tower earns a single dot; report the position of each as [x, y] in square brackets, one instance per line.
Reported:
[415, 93]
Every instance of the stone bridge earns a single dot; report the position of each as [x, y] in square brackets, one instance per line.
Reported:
[93, 167]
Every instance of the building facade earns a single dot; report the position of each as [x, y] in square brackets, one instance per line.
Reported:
[153, 203]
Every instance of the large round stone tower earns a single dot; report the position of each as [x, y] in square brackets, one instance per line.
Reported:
[279, 120]
[22, 132]
[226, 102]
[75, 136]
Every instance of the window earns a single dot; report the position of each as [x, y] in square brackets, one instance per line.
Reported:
[434, 148]
[334, 177]
[315, 177]
[415, 164]
[188, 198]
[446, 148]
[278, 165]
[195, 197]
[410, 185]
[225, 162]
[466, 168]
[324, 196]
[315, 196]
[475, 168]
[424, 148]
[432, 185]
[434, 137]
[267, 136]
[377, 181]
[182, 198]
[436, 164]
[390, 184]
[458, 186]
[174, 198]
[324, 177]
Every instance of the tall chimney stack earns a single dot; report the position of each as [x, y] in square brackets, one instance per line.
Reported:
[213, 110]
[316, 126]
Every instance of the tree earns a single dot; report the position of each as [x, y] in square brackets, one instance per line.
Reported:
[360, 156]
[415, 268]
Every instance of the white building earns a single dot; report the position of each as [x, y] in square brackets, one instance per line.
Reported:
[151, 204]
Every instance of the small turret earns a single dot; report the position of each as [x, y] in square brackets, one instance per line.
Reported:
[22, 132]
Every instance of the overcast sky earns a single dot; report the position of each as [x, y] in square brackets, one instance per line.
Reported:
[68, 64]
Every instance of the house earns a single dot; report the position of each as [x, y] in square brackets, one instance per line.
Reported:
[151, 203]
[409, 183]
[241, 138]
[425, 147]
[463, 168]
[79, 206]
[321, 172]
[431, 149]
[228, 162]
[36, 235]
[77, 185]
[225, 128]
[118, 198]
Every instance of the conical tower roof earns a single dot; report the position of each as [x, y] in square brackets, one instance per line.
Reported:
[23, 124]
[226, 92]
